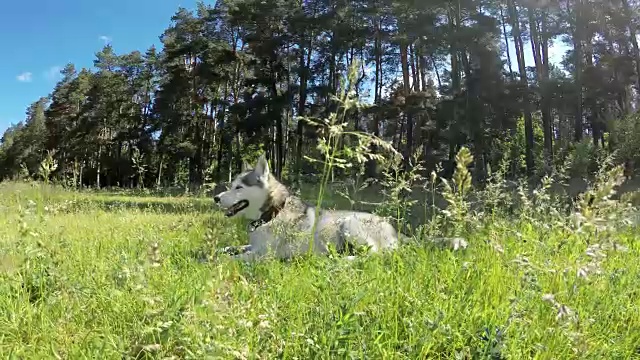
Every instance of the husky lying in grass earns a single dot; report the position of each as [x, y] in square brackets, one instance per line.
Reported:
[282, 223]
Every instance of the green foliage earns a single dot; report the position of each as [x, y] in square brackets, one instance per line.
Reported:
[513, 146]
[456, 193]
[585, 158]
[236, 79]
[47, 166]
[597, 210]
[139, 166]
[625, 134]
[397, 187]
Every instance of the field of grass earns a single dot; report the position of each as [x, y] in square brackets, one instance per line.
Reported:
[117, 275]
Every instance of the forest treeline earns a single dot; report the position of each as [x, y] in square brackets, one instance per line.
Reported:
[234, 78]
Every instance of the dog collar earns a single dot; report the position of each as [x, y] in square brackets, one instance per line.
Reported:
[265, 218]
[255, 224]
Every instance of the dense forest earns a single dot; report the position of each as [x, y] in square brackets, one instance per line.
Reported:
[236, 78]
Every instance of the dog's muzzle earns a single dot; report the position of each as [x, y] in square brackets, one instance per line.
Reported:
[236, 208]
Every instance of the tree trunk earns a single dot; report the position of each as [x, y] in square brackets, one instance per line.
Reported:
[160, 165]
[528, 121]
[302, 100]
[546, 99]
[506, 41]
[404, 60]
[414, 68]
[539, 46]
[222, 137]
[372, 166]
[634, 41]
[99, 167]
[456, 84]
[276, 113]
[578, 54]
[423, 70]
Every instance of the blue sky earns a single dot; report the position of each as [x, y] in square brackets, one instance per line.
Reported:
[38, 43]
[38, 37]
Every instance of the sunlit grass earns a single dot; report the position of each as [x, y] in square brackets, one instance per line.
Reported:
[79, 278]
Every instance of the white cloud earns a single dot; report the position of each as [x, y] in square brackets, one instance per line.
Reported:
[25, 77]
[53, 73]
[105, 38]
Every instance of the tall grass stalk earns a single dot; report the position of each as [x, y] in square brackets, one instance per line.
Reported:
[331, 146]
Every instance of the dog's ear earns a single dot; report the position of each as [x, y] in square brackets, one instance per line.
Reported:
[262, 167]
[245, 166]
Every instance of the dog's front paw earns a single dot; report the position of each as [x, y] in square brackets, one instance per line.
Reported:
[233, 250]
[247, 256]
[455, 243]
[458, 243]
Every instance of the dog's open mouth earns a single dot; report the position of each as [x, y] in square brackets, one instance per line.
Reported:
[237, 207]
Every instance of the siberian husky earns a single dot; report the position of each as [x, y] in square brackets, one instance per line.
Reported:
[282, 224]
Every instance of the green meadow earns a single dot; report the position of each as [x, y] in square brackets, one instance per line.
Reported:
[88, 274]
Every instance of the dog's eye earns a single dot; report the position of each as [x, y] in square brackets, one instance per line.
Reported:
[238, 187]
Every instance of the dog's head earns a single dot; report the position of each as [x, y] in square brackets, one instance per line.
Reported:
[248, 193]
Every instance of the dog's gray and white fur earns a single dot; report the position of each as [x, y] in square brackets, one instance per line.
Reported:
[283, 222]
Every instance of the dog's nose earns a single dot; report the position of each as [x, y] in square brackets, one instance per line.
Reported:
[216, 199]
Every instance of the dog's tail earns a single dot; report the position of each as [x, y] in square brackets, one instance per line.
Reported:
[402, 238]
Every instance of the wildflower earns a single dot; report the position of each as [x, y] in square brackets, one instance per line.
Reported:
[154, 254]
[245, 323]
[152, 348]
[264, 324]
[498, 248]
[583, 272]
[549, 298]
[563, 311]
